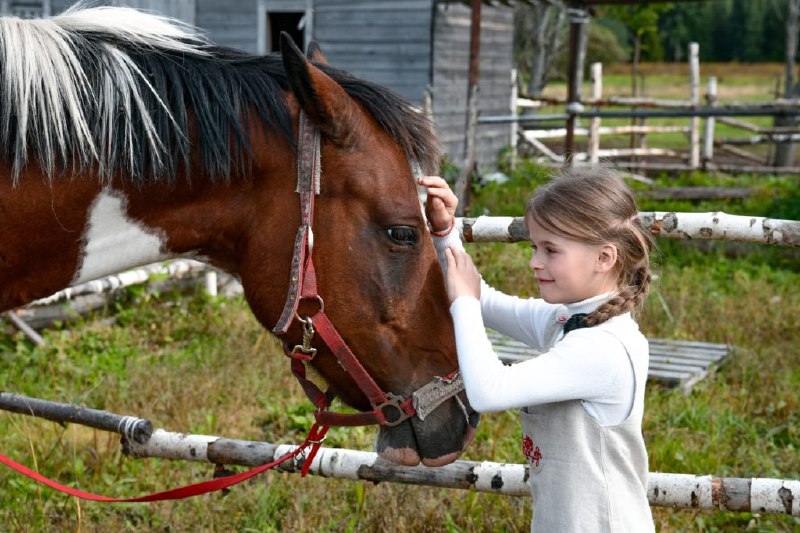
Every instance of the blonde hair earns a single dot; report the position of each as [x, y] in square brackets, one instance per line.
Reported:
[595, 206]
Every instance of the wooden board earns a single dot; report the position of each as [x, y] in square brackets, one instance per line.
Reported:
[673, 362]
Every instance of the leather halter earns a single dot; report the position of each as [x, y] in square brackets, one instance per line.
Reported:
[387, 409]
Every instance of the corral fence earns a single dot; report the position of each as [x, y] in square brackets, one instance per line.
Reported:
[706, 149]
[680, 491]
[139, 439]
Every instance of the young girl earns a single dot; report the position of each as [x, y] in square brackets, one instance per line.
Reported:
[581, 400]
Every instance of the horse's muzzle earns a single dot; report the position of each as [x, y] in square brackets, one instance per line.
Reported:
[437, 440]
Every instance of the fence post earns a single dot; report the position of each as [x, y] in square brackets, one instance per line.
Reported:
[211, 283]
[694, 98]
[463, 185]
[514, 125]
[594, 127]
[578, 21]
[708, 144]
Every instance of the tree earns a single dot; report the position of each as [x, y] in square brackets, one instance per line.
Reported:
[642, 25]
[538, 39]
[602, 46]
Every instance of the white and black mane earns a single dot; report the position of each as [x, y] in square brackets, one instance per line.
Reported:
[114, 91]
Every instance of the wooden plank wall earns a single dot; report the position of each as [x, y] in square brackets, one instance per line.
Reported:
[57, 6]
[232, 23]
[450, 70]
[180, 9]
[184, 10]
[382, 41]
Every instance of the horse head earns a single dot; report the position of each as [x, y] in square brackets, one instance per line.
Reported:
[376, 266]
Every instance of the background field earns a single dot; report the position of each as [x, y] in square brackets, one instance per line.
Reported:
[736, 83]
[198, 365]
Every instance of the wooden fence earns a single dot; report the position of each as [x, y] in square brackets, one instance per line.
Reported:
[139, 439]
[705, 149]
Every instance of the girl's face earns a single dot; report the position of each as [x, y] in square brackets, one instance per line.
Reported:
[570, 271]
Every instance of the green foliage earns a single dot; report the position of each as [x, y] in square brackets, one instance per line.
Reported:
[508, 198]
[641, 22]
[727, 30]
[602, 46]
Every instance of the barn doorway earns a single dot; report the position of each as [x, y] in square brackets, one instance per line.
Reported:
[292, 22]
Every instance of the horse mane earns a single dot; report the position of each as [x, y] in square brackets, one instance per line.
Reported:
[115, 90]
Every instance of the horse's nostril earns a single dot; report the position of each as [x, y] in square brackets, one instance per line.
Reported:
[400, 456]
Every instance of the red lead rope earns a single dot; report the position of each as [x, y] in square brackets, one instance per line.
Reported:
[314, 440]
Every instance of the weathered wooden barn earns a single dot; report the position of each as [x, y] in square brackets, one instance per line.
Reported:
[416, 47]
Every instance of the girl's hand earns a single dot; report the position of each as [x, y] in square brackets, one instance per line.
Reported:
[441, 205]
[463, 278]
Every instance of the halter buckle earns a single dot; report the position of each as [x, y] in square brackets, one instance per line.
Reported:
[393, 401]
[308, 352]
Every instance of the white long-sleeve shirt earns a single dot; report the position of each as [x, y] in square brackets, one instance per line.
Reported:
[590, 364]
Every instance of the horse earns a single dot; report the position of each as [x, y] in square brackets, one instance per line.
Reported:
[129, 138]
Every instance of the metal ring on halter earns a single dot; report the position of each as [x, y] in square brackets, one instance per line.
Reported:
[317, 441]
[321, 309]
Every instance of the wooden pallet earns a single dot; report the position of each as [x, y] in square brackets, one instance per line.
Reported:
[675, 363]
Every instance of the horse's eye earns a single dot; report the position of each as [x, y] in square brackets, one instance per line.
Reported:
[403, 235]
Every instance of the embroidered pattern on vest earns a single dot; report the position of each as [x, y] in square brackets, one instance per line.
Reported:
[532, 452]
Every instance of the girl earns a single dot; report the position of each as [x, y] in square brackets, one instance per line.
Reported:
[581, 400]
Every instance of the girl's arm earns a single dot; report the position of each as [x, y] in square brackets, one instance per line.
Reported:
[528, 320]
[589, 364]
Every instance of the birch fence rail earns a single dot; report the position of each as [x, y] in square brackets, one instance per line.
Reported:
[139, 439]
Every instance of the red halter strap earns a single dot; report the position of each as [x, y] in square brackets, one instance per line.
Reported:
[313, 441]
[387, 409]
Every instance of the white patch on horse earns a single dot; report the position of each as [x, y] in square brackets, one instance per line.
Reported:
[113, 242]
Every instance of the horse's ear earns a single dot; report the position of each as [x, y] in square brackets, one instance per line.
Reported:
[327, 104]
[314, 53]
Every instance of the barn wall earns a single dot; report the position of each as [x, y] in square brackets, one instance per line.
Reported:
[180, 9]
[231, 23]
[383, 41]
[184, 10]
[57, 6]
[450, 78]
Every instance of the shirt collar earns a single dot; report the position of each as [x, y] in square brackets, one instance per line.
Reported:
[584, 306]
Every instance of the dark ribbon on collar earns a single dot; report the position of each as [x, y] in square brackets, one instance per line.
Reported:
[576, 321]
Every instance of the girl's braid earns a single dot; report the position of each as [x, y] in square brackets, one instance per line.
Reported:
[624, 301]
